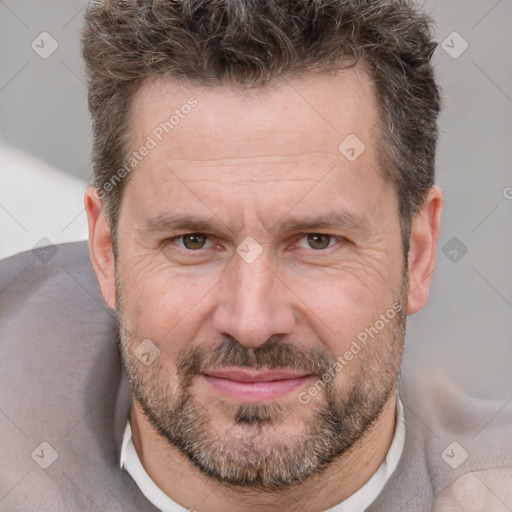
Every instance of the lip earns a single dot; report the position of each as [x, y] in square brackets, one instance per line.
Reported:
[254, 386]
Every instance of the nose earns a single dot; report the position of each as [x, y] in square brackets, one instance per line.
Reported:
[254, 303]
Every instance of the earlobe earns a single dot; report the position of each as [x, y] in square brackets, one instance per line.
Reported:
[100, 245]
[425, 228]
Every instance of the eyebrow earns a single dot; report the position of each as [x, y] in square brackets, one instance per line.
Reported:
[333, 221]
[180, 222]
[349, 221]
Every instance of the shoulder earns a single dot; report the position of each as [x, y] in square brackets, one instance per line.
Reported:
[59, 376]
[467, 444]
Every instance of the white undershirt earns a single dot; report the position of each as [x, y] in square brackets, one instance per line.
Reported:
[358, 502]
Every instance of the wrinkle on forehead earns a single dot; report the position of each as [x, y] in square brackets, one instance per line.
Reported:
[260, 168]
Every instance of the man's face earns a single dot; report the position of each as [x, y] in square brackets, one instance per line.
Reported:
[249, 243]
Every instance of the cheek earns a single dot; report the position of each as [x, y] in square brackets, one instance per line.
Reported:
[166, 307]
[341, 305]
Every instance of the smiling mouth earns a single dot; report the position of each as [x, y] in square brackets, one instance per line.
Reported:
[247, 385]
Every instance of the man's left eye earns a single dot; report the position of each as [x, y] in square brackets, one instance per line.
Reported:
[192, 241]
[317, 241]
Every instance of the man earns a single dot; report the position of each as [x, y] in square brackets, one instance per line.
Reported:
[263, 217]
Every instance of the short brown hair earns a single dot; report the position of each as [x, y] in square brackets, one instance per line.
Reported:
[253, 43]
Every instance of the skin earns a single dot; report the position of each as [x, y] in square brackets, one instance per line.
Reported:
[249, 161]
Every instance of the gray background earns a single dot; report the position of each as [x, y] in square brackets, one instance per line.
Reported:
[465, 330]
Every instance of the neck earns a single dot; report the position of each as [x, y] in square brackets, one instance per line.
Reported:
[185, 484]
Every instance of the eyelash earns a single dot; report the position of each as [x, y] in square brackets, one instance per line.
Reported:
[338, 239]
[175, 238]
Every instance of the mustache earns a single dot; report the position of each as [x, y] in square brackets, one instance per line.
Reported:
[273, 354]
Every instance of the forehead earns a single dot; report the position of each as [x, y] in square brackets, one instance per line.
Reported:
[310, 114]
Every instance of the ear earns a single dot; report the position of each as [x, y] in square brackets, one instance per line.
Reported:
[425, 227]
[100, 245]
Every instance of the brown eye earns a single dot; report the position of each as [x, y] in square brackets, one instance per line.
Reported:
[318, 241]
[193, 241]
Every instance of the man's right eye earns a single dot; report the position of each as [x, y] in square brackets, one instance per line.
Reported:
[191, 241]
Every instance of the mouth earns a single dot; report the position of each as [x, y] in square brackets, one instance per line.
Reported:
[254, 386]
